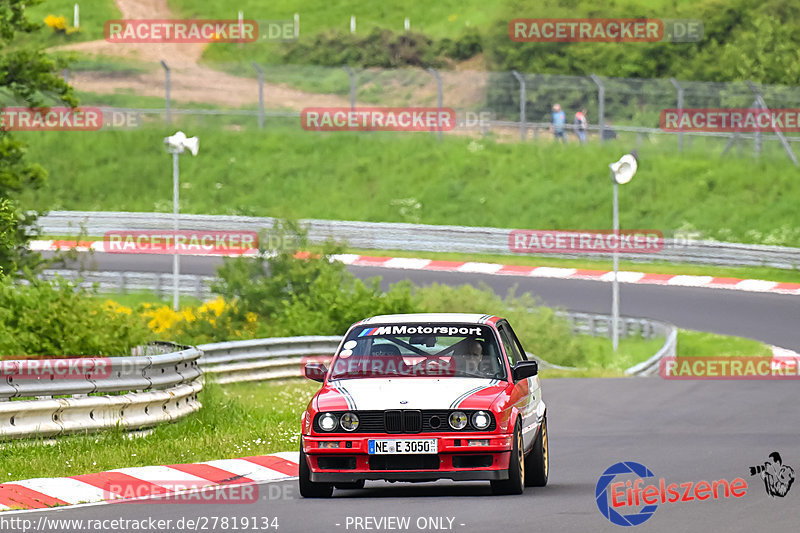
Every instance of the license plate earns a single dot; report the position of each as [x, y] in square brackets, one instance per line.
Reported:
[401, 446]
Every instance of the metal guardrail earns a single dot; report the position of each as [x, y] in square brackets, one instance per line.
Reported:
[650, 367]
[260, 359]
[278, 358]
[415, 237]
[110, 282]
[163, 387]
[137, 392]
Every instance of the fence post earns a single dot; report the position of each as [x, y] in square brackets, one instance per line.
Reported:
[778, 132]
[680, 109]
[76, 16]
[260, 95]
[352, 23]
[352, 76]
[601, 105]
[407, 24]
[523, 100]
[167, 83]
[439, 97]
[65, 74]
[296, 25]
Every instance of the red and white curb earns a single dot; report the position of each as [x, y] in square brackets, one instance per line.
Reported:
[783, 358]
[407, 263]
[146, 481]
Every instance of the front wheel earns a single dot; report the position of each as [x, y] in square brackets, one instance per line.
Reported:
[309, 489]
[515, 483]
[538, 462]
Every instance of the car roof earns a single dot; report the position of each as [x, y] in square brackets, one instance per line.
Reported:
[432, 318]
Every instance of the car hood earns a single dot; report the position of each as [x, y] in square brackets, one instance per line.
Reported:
[368, 394]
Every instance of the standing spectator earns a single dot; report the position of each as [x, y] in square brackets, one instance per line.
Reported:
[581, 125]
[559, 121]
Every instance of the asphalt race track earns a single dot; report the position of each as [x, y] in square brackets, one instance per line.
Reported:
[770, 318]
[684, 431]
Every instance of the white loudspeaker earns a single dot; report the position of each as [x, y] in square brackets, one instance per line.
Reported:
[179, 142]
[624, 169]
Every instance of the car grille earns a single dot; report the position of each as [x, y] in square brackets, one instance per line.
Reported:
[404, 421]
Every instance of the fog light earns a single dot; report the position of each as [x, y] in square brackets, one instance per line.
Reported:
[328, 444]
[478, 442]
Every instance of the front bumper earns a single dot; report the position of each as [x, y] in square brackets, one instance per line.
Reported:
[455, 459]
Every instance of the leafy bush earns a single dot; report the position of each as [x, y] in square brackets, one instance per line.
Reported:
[381, 48]
[303, 293]
[58, 318]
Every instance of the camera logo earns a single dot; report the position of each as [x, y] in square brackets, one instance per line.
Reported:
[602, 495]
[778, 477]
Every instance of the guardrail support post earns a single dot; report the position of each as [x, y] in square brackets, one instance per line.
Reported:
[523, 101]
[260, 95]
[167, 90]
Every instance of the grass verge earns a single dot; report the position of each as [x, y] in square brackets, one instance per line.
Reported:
[288, 173]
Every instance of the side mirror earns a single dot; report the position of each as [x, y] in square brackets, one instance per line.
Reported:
[315, 371]
[524, 369]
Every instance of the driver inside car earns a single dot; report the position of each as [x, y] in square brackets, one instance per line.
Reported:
[471, 360]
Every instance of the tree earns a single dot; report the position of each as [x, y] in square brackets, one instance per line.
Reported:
[29, 76]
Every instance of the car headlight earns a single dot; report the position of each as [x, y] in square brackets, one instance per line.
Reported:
[458, 420]
[327, 422]
[481, 420]
[349, 421]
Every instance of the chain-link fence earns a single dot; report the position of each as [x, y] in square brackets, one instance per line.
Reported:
[508, 104]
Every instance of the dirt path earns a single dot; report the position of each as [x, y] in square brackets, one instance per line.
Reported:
[191, 82]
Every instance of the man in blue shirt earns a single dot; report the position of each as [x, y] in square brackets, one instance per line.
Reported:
[559, 121]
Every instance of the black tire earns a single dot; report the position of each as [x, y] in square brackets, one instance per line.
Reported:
[515, 484]
[354, 485]
[537, 463]
[309, 489]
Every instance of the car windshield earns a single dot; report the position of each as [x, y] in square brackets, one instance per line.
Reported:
[412, 350]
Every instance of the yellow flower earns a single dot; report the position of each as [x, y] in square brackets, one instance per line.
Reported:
[216, 305]
[56, 23]
[111, 305]
[163, 318]
[251, 316]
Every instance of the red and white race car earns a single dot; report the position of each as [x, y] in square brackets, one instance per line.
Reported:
[421, 397]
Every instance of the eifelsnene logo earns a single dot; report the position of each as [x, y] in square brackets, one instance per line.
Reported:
[631, 502]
